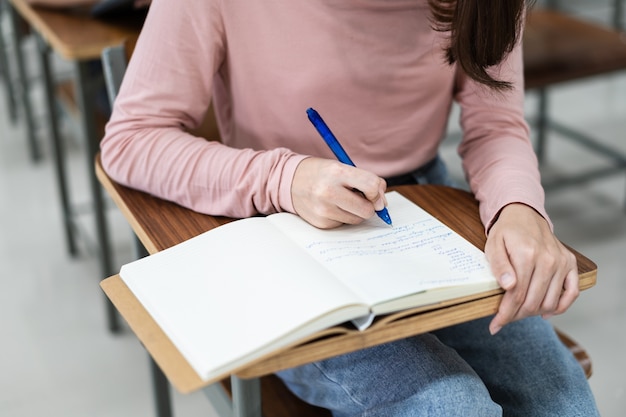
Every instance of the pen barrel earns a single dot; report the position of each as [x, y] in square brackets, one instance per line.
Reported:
[328, 136]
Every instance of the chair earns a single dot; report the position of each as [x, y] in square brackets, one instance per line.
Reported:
[560, 48]
[278, 401]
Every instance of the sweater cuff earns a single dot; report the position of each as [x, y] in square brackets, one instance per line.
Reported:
[284, 192]
[490, 213]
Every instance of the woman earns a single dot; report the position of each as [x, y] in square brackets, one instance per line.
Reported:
[384, 75]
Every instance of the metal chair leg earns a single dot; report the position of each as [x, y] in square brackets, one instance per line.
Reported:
[58, 151]
[246, 397]
[161, 390]
[618, 10]
[5, 68]
[542, 125]
[24, 89]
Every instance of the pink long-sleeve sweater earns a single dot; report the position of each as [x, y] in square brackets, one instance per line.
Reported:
[374, 69]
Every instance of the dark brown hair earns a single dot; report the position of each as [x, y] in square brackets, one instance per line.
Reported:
[482, 33]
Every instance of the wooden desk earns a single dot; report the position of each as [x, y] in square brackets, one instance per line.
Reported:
[79, 38]
[160, 224]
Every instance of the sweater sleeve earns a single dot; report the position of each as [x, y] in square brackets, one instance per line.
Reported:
[498, 158]
[165, 93]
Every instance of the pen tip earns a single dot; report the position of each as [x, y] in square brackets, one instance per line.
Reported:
[384, 215]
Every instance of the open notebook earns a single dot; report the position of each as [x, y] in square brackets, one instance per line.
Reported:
[240, 291]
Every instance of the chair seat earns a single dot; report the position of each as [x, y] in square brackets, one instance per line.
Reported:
[560, 48]
[579, 353]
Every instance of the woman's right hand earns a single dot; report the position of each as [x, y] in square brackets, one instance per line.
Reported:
[324, 194]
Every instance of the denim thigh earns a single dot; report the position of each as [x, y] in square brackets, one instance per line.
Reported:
[525, 367]
[417, 376]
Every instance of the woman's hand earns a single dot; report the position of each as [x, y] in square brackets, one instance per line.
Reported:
[539, 275]
[323, 193]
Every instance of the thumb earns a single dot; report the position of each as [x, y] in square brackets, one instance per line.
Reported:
[501, 267]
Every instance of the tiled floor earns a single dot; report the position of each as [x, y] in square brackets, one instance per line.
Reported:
[57, 358]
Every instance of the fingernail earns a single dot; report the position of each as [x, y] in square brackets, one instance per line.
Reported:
[506, 280]
[494, 329]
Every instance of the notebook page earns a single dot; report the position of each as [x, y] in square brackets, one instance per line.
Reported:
[232, 292]
[382, 263]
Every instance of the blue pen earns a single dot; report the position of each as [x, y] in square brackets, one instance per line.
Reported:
[338, 150]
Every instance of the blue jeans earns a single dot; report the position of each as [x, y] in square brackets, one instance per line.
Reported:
[461, 370]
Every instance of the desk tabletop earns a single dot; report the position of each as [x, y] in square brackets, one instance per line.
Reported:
[160, 224]
[74, 34]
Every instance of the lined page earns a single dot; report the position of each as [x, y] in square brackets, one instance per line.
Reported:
[382, 263]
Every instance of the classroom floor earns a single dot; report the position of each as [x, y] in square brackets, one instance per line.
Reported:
[58, 359]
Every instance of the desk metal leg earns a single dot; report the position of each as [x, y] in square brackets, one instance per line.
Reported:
[24, 90]
[57, 144]
[219, 399]
[140, 249]
[246, 397]
[86, 97]
[161, 389]
[6, 70]
[618, 10]
[160, 384]
[542, 125]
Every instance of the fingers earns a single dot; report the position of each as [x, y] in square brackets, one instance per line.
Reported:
[515, 280]
[547, 295]
[570, 293]
[370, 186]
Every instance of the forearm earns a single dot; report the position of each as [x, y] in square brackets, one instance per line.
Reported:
[204, 176]
[503, 172]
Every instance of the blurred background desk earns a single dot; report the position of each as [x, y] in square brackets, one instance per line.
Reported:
[78, 38]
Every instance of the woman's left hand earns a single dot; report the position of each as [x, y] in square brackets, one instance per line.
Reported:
[538, 273]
